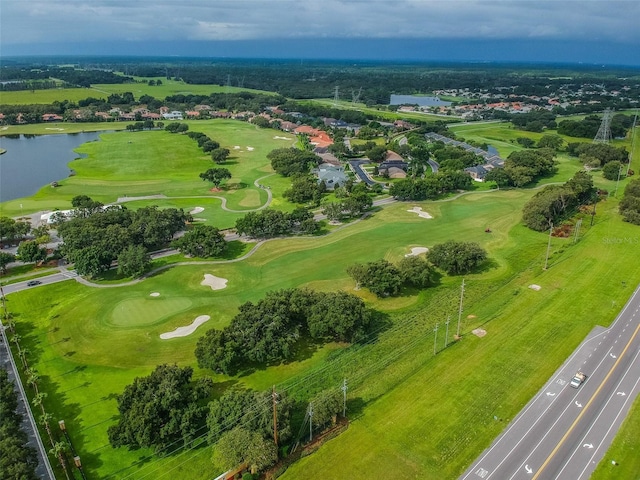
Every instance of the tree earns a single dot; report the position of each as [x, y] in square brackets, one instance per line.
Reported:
[160, 409]
[240, 446]
[630, 203]
[91, 261]
[381, 277]
[417, 271]
[457, 258]
[304, 188]
[526, 142]
[357, 203]
[377, 153]
[326, 406]
[550, 141]
[201, 241]
[216, 175]
[337, 316]
[84, 206]
[219, 155]
[333, 211]
[287, 161]
[11, 229]
[5, 259]
[612, 170]
[29, 252]
[133, 261]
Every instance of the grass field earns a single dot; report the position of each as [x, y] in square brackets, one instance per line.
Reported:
[168, 87]
[416, 403]
[157, 162]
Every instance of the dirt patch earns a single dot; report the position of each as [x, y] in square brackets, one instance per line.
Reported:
[420, 213]
[478, 332]
[188, 330]
[417, 251]
[472, 316]
[216, 283]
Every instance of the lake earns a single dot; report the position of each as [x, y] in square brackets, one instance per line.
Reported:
[33, 161]
[417, 100]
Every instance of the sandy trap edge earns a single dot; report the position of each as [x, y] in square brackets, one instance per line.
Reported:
[188, 330]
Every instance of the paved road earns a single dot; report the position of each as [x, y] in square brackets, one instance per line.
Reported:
[564, 432]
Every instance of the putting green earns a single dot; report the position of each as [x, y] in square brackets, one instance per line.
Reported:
[136, 312]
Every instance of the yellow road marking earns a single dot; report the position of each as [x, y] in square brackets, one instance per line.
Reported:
[573, 425]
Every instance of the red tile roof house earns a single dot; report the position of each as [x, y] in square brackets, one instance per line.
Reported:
[192, 113]
[51, 117]
[151, 116]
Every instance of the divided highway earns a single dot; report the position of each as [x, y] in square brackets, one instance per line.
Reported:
[563, 432]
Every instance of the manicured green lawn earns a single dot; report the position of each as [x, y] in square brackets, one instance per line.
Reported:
[157, 162]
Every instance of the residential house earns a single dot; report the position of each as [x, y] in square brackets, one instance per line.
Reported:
[332, 175]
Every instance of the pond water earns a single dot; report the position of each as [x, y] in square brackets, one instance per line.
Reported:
[33, 161]
[417, 100]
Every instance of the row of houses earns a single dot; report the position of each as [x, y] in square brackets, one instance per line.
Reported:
[477, 172]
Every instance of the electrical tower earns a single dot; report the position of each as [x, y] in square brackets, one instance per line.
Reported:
[336, 95]
[604, 132]
[355, 97]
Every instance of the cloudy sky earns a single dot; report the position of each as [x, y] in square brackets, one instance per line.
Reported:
[590, 31]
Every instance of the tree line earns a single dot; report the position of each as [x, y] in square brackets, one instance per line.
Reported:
[630, 203]
[554, 203]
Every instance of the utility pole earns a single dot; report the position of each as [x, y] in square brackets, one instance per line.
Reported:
[336, 95]
[446, 335]
[576, 234]
[633, 141]
[310, 421]
[546, 260]
[435, 339]
[460, 309]
[274, 397]
[344, 397]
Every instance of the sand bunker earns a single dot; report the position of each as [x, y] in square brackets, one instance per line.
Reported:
[478, 332]
[535, 287]
[196, 210]
[56, 129]
[188, 330]
[249, 149]
[216, 283]
[281, 138]
[420, 213]
[236, 147]
[154, 294]
[417, 251]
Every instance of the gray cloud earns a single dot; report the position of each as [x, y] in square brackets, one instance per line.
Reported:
[39, 21]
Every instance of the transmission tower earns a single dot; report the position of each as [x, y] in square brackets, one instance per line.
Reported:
[604, 132]
[355, 97]
[336, 95]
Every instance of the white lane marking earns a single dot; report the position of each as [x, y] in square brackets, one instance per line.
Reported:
[579, 405]
[528, 469]
[588, 445]
[622, 394]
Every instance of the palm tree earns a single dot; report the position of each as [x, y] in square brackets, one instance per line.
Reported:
[38, 401]
[44, 420]
[10, 322]
[32, 378]
[58, 451]
[23, 357]
[16, 339]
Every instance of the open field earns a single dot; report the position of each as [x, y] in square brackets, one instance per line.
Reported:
[157, 162]
[386, 114]
[168, 87]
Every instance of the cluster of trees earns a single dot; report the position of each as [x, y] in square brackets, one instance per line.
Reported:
[177, 127]
[523, 167]
[305, 188]
[457, 258]
[352, 206]
[597, 155]
[95, 236]
[270, 330]
[534, 121]
[144, 125]
[201, 241]
[218, 154]
[630, 203]
[12, 230]
[431, 186]
[270, 223]
[287, 161]
[554, 202]
[17, 459]
[384, 279]
[588, 126]
[454, 158]
[161, 409]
